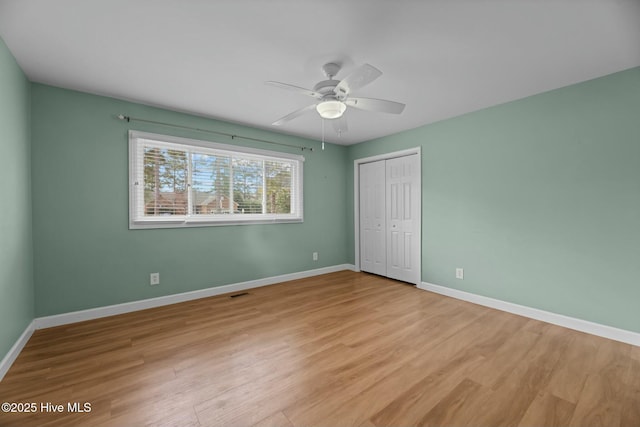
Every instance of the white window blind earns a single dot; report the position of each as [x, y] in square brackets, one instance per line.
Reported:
[177, 182]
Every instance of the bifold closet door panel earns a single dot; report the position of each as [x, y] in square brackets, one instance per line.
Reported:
[403, 218]
[373, 253]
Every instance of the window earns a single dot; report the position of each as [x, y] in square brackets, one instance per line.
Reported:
[179, 182]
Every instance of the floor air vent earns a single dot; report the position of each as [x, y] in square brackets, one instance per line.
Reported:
[239, 295]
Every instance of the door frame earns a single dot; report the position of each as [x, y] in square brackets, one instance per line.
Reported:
[356, 197]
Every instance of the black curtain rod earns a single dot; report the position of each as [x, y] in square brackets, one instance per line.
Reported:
[230, 135]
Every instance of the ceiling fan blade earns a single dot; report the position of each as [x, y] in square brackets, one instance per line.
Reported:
[362, 76]
[340, 125]
[379, 105]
[293, 115]
[298, 89]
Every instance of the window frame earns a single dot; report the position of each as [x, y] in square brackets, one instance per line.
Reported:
[136, 175]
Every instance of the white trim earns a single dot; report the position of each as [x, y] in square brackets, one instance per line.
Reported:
[203, 222]
[111, 310]
[592, 328]
[356, 196]
[13, 353]
[387, 156]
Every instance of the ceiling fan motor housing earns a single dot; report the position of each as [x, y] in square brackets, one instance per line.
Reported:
[326, 87]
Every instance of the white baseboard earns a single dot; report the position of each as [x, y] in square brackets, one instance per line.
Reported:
[604, 331]
[13, 353]
[111, 310]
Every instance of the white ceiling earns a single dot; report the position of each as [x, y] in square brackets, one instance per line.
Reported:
[211, 57]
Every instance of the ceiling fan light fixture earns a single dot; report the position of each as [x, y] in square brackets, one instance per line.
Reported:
[331, 109]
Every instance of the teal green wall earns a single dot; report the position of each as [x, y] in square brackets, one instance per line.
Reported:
[538, 200]
[16, 252]
[85, 255]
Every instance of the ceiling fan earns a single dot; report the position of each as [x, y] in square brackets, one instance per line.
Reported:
[334, 96]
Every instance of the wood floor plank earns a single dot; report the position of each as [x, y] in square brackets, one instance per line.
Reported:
[370, 401]
[447, 363]
[449, 408]
[631, 404]
[529, 378]
[276, 420]
[570, 374]
[548, 410]
[324, 407]
[373, 400]
[602, 400]
[505, 359]
[597, 405]
[344, 348]
[317, 407]
[354, 370]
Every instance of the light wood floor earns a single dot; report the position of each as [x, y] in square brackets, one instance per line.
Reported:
[335, 350]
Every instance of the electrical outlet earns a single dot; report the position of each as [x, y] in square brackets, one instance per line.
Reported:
[315, 256]
[460, 273]
[154, 279]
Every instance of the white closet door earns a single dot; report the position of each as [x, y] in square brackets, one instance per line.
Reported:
[373, 252]
[403, 218]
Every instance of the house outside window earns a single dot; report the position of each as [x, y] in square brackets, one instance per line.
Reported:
[180, 182]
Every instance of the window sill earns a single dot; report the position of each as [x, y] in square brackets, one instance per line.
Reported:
[202, 222]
